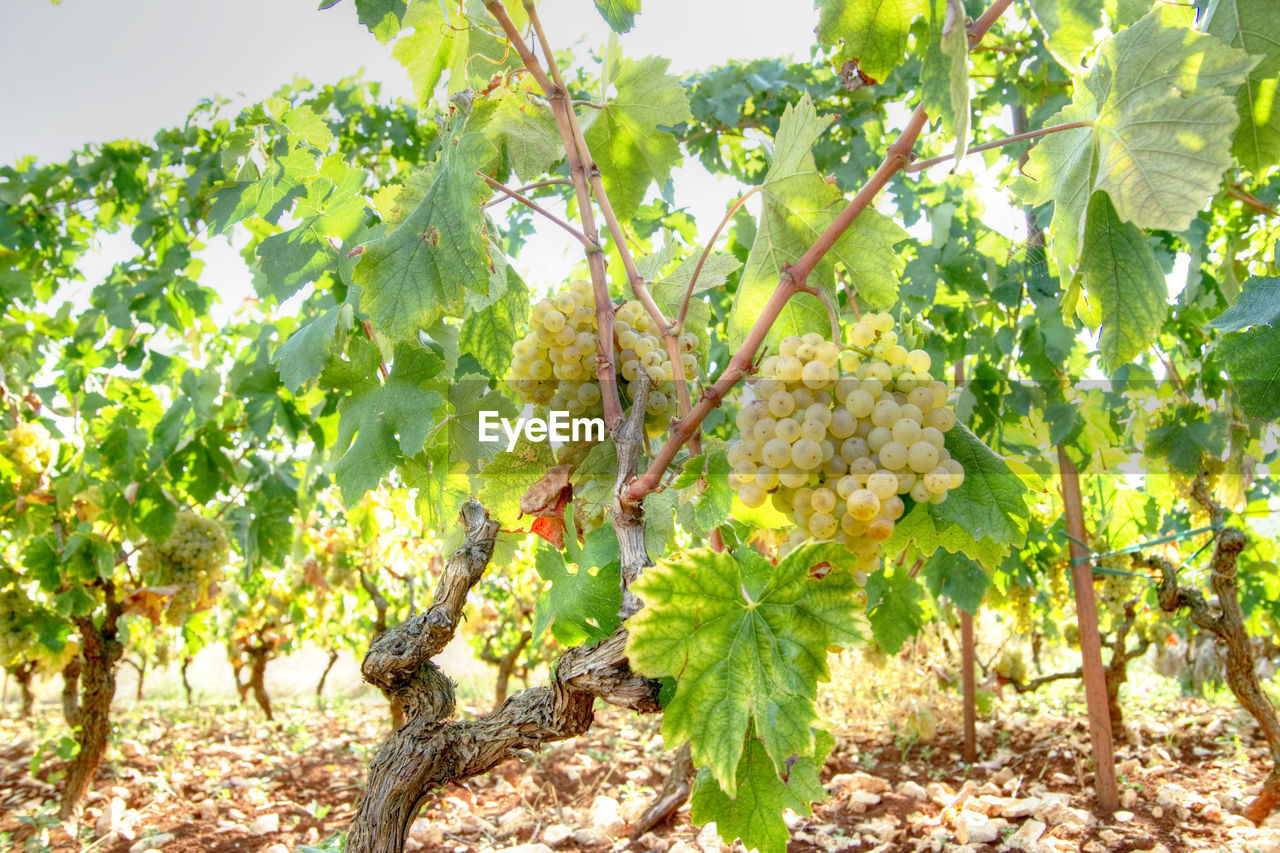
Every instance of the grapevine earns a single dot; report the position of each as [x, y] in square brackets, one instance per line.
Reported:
[839, 440]
[554, 365]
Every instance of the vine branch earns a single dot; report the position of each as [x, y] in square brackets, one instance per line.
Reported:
[921, 165]
[536, 208]
[606, 370]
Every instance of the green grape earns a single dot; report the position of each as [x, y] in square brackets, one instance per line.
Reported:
[840, 437]
[923, 456]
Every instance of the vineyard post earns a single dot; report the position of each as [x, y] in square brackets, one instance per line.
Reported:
[970, 691]
[967, 654]
[1095, 677]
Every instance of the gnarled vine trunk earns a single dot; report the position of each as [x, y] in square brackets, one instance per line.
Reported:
[186, 684]
[89, 712]
[1227, 624]
[431, 750]
[24, 673]
[258, 656]
[324, 676]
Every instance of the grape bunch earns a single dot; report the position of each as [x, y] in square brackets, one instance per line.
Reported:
[839, 438]
[555, 364]
[29, 447]
[192, 558]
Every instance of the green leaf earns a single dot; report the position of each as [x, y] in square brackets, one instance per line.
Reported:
[894, 607]
[1258, 305]
[489, 334]
[468, 396]
[421, 270]
[799, 204]
[580, 606]
[659, 521]
[944, 74]
[1060, 170]
[746, 641]
[526, 127]
[957, 577]
[1165, 120]
[626, 135]
[1160, 100]
[302, 358]
[1187, 438]
[620, 15]
[755, 814]
[1122, 278]
[382, 17]
[1069, 26]
[1253, 25]
[872, 33]
[386, 419]
[989, 504]
[1252, 359]
[508, 475]
[712, 507]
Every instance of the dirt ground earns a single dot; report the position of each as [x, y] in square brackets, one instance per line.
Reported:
[221, 780]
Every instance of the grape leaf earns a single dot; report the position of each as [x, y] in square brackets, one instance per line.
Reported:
[1254, 25]
[626, 134]
[489, 334]
[746, 641]
[1184, 440]
[594, 479]
[711, 508]
[894, 607]
[755, 814]
[1068, 27]
[957, 577]
[330, 214]
[526, 127]
[468, 396]
[989, 504]
[301, 358]
[464, 43]
[944, 73]
[380, 420]
[580, 606]
[798, 206]
[382, 17]
[1122, 278]
[872, 34]
[620, 15]
[1160, 103]
[660, 521]
[417, 273]
[1259, 304]
[508, 475]
[1252, 359]
[1060, 170]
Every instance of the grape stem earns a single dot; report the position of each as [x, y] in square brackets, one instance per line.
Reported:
[606, 371]
[793, 279]
[532, 205]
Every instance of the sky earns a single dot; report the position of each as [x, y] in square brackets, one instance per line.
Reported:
[99, 70]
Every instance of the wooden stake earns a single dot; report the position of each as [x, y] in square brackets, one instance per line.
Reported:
[970, 689]
[1095, 679]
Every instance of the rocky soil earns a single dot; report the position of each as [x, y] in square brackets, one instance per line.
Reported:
[219, 780]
